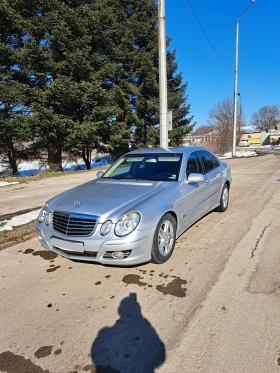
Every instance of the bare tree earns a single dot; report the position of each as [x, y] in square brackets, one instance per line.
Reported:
[221, 118]
[266, 118]
[203, 130]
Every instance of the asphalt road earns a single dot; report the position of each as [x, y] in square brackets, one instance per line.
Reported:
[214, 307]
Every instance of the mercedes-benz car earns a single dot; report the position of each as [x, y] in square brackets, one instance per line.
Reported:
[134, 212]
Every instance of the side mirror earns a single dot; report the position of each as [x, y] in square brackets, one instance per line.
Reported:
[195, 178]
[99, 174]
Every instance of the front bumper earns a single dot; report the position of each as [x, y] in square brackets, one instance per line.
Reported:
[96, 248]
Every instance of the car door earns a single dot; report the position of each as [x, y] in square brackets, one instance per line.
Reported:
[213, 168]
[197, 193]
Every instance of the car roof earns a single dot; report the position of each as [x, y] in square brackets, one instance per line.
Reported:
[182, 149]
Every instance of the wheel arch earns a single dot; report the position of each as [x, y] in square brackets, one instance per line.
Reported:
[174, 215]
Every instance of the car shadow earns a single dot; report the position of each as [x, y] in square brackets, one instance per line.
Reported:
[131, 345]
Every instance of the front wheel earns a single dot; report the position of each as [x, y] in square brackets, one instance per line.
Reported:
[224, 200]
[164, 239]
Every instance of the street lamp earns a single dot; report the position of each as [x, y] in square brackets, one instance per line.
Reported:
[162, 75]
[235, 81]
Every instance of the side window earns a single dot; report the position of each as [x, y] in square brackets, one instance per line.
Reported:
[208, 160]
[194, 164]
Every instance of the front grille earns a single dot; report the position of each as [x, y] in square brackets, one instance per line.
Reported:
[74, 224]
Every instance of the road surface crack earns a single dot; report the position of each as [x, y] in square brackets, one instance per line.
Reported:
[258, 241]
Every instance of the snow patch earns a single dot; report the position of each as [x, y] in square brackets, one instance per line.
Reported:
[239, 154]
[19, 220]
[5, 183]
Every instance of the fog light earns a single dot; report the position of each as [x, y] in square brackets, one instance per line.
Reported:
[118, 254]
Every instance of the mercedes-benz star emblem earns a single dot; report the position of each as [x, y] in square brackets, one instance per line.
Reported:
[77, 204]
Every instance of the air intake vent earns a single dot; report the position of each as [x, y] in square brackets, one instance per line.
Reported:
[73, 224]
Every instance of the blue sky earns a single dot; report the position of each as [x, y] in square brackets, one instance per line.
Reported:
[210, 81]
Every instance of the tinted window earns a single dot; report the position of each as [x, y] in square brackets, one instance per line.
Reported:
[208, 160]
[194, 164]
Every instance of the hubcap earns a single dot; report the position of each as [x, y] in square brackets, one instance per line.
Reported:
[165, 237]
[225, 197]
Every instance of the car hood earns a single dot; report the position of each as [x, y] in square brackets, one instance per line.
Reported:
[108, 199]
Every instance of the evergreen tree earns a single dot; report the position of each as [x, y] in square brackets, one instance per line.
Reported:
[14, 87]
[114, 41]
[84, 75]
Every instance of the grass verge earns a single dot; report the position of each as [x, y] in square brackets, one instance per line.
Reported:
[47, 174]
[17, 235]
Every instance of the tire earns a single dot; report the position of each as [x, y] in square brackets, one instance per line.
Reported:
[224, 200]
[164, 239]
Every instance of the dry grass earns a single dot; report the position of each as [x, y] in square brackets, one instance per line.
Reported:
[17, 235]
[47, 174]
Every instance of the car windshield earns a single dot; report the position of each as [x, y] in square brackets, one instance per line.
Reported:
[147, 166]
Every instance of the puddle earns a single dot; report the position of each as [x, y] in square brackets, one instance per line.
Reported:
[47, 255]
[11, 363]
[174, 288]
[133, 279]
[52, 269]
[43, 352]
[58, 351]
[28, 251]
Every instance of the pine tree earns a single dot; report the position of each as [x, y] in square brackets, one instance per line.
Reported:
[84, 75]
[114, 40]
[14, 87]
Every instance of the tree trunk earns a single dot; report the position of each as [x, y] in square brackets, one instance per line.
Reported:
[86, 154]
[54, 157]
[12, 158]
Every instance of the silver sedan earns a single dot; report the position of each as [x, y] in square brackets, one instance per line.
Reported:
[134, 212]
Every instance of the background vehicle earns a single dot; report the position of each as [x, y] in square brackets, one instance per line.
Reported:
[244, 142]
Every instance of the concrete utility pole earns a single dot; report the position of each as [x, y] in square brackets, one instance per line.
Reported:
[162, 75]
[235, 82]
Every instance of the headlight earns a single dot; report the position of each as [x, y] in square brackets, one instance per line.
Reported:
[106, 227]
[43, 212]
[127, 224]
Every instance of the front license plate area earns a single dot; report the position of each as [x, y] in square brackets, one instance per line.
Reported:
[65, 245]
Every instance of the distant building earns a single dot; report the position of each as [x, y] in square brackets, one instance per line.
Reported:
[197, 139]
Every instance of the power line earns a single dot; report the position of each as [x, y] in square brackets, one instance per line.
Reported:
[214, 49]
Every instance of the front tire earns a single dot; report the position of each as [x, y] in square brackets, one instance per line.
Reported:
[224, 200]
[164, 239]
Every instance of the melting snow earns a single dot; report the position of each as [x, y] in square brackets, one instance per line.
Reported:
[245, 153]
[5, 183]
[19, 220]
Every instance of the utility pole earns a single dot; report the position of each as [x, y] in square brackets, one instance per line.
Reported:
[235, 91]
[162, 75]
[236, 79]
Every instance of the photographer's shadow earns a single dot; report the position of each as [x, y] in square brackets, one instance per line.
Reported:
[131, 345]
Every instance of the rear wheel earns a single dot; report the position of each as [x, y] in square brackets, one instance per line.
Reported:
[224, 200]
[164, 239]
